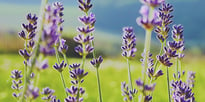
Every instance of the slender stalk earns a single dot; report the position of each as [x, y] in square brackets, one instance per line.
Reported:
[58, 60]
[160, 52]
[36, 51]
[146, 53]
[84, 56]
[66, 60]
[62, 78]
[92, 43]
[129, 75]
[168, 86]
[99, 87]
[177, 68]
[25, 83]
[37, 78]
[57, 55]
[78, 93]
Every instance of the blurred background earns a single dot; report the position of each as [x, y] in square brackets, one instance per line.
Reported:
[111, 16]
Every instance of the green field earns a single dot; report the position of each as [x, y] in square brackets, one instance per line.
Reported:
[112, 73]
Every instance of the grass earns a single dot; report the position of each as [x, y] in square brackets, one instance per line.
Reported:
[112, 73]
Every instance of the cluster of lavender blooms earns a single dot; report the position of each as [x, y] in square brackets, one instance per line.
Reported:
[16, 83]
[85, 37]
[52, 29]
[50, 43]
[77, 74]
[159, 21]
[127, 93]
[28, 35]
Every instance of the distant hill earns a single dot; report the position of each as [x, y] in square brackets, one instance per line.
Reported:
[112, 15]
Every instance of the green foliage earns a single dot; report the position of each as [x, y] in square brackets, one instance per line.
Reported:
[112, 72]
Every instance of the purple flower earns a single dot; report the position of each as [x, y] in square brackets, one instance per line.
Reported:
[78, 74]
[16, 74]
[83, 39]
[54, 99]
[85, 30]
[25, 54]
[129, 43]
[177, 35]
[96, 62]
[74, 66]
[148, 98]
[191, 79]
[60, 66]
[145, 21]
[73, 99]
[52, 29]
[42, 65]
[128, 94]
[32, 92]
[164, 60]
[88, 49]
[175, 45]
[16, 83]
[88, 20]
[48, 93]
[63, 47]
[32, 19]
[170, 53]
[181, 92]
[163, 29]
[85, 5]
[152, 3]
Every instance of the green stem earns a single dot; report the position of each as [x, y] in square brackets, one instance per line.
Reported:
[92, 43]
[62, 78]
[37, 79]
[129, 75]
[99, 88]
[78, 93]
[168, 86]
[83, 61]
[66, 60]
[146, 52]
[156, 62]
[177, 68]
[83, 56]
[25, 83]
[36, 51]
[57, 55]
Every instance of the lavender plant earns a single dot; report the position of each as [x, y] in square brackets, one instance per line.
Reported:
[16, 83]
[45, 39]
[76, 91]
[128, 47]
[85, 37]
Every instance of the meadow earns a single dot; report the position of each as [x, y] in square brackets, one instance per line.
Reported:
[112, 72]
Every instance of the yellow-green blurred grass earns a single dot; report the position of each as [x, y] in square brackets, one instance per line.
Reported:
[112, 73]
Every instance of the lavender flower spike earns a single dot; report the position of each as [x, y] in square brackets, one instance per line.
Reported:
[60, 67]
[145, 21]
[96, 62]
[182, 92]
[129, 43]
[164, 60]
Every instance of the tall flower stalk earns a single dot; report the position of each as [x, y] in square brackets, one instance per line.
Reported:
[85, 37]
[76, 91]
[148, 21]
[28, 35]
[128, 47]
[96, 63]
